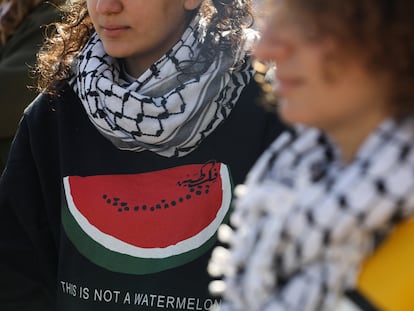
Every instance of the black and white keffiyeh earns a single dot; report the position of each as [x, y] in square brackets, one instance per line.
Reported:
[304, 221]
[171, 107]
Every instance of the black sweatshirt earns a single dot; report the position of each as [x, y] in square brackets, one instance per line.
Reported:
[86, 226]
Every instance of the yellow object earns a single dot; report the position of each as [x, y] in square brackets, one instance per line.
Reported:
[387, 277]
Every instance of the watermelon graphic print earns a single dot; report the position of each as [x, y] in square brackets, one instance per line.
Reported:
[149, 222]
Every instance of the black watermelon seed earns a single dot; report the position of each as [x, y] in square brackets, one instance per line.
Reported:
[152, 208]
[124, 203]
[173, 203]
[180, 199]
[116, 199]
[158, 206]
[136, 208]
[108, 201]
[126, 208]
[119, 209]
[104, 196]
[166, 206]
[144, 207]
[188, 197]
[192, 190]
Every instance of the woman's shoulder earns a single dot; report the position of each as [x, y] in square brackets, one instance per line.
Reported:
[50, 102]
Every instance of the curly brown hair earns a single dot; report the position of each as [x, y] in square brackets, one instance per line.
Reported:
[59, 50]
[378, 32]
[15, 13]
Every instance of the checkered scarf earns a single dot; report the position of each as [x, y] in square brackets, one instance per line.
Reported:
[305, 221]
[171, 107]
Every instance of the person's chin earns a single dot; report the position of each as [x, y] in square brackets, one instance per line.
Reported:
[115, 51]
[291, 113]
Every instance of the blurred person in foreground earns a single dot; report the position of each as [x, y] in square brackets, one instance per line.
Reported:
[322, 198]
[123, 168]
[22, 32]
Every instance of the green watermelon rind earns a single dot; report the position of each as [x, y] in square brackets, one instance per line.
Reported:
[124, 263]
[140, 260]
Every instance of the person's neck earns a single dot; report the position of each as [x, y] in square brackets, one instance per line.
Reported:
[350, 138]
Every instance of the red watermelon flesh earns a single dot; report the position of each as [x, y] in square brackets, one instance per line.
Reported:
[150, 210]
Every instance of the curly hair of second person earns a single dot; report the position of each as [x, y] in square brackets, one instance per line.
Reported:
[15, 15]
[226, 20]
[379, 33]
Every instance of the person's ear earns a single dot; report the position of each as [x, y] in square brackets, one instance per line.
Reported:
[192, 4]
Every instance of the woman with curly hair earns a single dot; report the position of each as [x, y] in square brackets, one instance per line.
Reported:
[146, 115]
[21, 35]
[323, 197]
